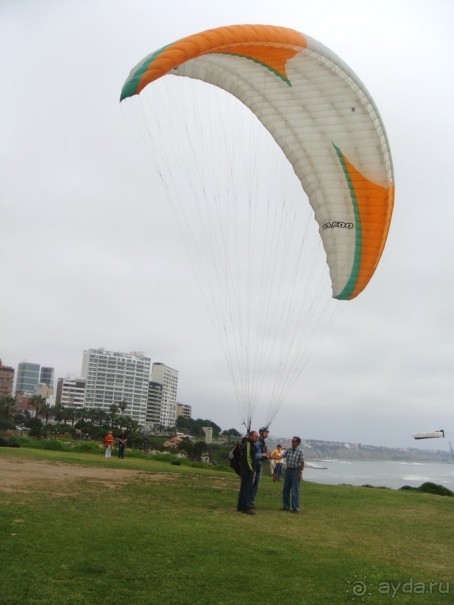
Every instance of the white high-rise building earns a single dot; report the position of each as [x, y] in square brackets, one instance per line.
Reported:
[168, 377]
[115, 379]
[71, 392]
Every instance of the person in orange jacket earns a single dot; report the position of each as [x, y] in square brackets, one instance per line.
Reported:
[109, 440]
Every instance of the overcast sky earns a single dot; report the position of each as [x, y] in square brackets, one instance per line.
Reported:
[90, 257]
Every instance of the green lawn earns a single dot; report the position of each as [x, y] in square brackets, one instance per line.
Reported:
[172, 535]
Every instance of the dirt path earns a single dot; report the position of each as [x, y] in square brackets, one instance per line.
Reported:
[21, 475]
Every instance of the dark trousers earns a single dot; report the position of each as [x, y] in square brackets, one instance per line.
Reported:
[277, 472]
[245, 495]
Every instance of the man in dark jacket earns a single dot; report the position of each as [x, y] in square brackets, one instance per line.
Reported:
[248, 470]
[262, 454]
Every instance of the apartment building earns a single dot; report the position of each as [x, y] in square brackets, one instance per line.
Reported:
[184, 410]
[114, 378]
[154, 404]
[168, 378]
[70, 392]
[6, 380]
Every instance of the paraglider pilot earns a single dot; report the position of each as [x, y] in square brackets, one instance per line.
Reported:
[262, 453]
[248, 471]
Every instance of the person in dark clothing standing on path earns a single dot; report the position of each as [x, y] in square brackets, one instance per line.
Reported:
[262, 454]
[248, 471]
[122, 441]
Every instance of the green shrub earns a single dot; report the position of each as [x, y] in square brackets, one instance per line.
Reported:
[45, 444]
[53, 444]
[164, 457]
[429, 488]
[11, 442]
[434, 488]
[86, 446]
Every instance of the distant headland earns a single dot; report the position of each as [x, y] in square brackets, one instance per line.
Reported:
[340, 450]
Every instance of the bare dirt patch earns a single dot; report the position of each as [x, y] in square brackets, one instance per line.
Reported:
[22, 475]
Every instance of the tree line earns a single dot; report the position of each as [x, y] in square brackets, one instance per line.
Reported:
[48, 420]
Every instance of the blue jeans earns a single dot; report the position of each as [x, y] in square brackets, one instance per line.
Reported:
[255, 486]
[291, 483]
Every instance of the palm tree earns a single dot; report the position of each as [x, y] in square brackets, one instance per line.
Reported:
[113, 414]
[47, 410]
[66, 415]
[92, 416]
[81, 414]
[58, 412]
[99, 415]
[72, 412]
[38, 402]
[7, 407]
[131, 425]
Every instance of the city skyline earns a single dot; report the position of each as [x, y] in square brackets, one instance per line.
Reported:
[145, 391]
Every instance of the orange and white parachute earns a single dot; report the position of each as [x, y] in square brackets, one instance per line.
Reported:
[325, 129]
[322, 117]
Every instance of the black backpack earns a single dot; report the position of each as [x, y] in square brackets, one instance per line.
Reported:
[235, 457]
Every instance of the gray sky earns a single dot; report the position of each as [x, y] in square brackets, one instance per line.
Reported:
[91, 257]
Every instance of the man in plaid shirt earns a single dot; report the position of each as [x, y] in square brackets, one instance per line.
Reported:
[293, 474]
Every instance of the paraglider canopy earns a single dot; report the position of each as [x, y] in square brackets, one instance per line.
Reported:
[327, 145]
[320, 114]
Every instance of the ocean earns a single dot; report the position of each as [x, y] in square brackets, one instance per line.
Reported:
[379, 473]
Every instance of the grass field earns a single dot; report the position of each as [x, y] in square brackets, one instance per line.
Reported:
[169, 534]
